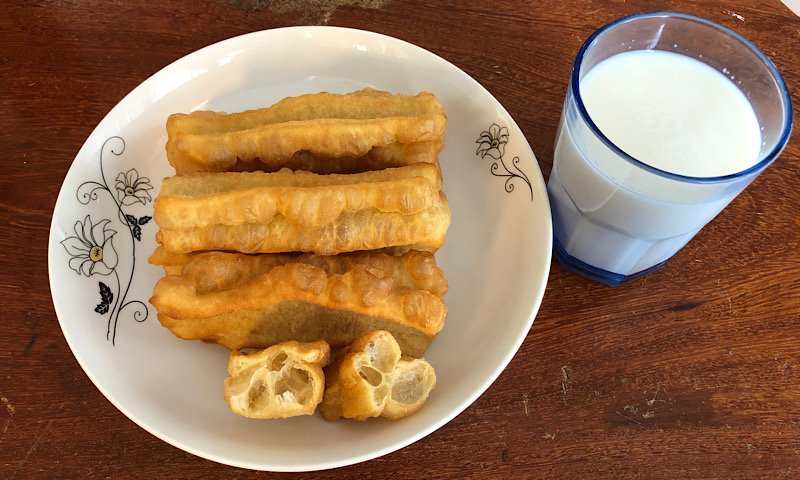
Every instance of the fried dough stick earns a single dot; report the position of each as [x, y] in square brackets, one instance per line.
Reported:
[255, 301]
[303, 212]
[322, 132]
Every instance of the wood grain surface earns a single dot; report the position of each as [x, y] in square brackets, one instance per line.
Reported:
[691, 372]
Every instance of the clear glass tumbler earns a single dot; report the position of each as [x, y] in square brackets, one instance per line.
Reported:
[616, 218]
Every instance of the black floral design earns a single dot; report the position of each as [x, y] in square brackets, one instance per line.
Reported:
[492, 142]
[92, 250]
[131, 188]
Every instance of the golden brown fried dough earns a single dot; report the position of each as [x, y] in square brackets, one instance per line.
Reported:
[303, 212]
[172, 262]
[367, 130]
[285, 380]
[378, 158]
[255, 301]
[370, 378]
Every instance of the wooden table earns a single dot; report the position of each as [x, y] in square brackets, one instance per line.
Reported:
[692, 372]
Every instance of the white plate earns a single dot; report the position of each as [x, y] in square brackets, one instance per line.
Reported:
[497, 255]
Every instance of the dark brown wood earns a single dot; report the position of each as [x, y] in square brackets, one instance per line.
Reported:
[692, 372]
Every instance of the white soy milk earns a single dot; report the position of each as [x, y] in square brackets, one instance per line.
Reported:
[671, 112]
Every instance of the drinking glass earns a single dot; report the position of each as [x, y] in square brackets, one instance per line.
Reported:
[616, 218]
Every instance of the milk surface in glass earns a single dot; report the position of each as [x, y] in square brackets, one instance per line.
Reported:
[671, 112]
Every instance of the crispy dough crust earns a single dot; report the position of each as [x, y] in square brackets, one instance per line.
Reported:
[285, 380]
[300, 211]
[370, 378]
[254, 301]
[371, 128]
[172, 262]
[378, 158]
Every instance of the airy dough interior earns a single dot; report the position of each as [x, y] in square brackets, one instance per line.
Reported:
[283, 381]
[408, 386]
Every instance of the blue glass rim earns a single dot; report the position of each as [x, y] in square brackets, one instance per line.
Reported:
[762, 163]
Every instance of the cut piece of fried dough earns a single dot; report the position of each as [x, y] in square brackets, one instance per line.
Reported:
[371, 378]
[285, 380]
[369, 129]
[255, 301]
[303, 212]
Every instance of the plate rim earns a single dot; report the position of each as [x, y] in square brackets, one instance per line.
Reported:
[394, 446]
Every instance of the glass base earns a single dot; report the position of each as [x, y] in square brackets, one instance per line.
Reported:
[593, 273]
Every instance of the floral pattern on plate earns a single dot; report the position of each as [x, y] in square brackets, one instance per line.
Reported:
[91, 249]
[492, 142]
